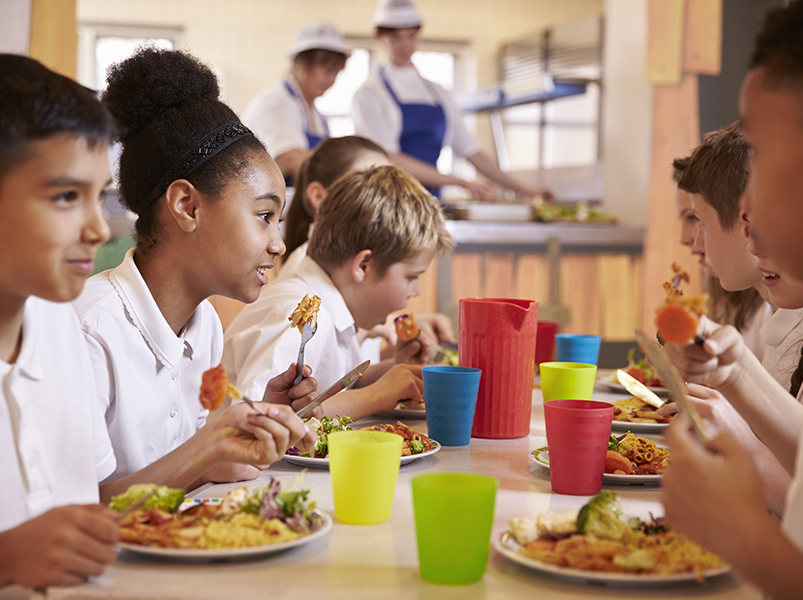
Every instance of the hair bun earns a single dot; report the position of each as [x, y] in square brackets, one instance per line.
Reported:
[153, 81]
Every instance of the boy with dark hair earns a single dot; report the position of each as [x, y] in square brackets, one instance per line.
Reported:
[54, 136]
[714, 493]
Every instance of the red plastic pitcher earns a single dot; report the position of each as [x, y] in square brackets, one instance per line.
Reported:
[497, 335]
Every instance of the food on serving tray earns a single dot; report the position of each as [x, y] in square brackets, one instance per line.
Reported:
[406, 327]
[597, 538]
[634, 410]
[305, 312]
[414, 442]
[641, 371]
[579, 212]
[243, 519]
[165, 498]
[630, 454]
[677, 318]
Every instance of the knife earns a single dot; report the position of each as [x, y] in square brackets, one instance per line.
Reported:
[660, 360]
[639, 390]
[336, 387]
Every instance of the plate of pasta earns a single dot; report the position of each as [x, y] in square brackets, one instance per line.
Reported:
[631, 460]
[632, 414]
[598, 545]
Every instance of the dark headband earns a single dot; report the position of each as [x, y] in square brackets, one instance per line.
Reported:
[202, 150]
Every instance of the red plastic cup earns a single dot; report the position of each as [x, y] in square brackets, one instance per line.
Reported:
[497, 336]
[577, 433]
[545, 341]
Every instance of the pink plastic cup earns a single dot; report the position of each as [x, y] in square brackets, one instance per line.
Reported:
[545, 341]
[577, 433]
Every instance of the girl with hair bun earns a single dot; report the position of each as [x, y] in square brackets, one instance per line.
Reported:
[208, 199]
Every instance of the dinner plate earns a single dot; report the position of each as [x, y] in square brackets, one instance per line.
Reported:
[323, 463]
[507, 546]
[613, 385]
[541, 458]
[625, 426]
[322, 524]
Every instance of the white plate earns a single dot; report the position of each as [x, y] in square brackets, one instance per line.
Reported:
[613, 385]
[625, 426]
[507, 546]
[323, 463]
[541, 458]
[322, 524]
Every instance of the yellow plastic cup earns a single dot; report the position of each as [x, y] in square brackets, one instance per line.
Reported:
[567, 381]
[364, 466]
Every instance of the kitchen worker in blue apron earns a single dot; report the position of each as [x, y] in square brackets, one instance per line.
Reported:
[285, 117]
[413, 118]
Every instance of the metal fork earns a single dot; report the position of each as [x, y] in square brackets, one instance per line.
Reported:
[306, 335]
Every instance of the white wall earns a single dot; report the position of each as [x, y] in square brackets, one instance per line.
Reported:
[15, 26]
[627, 123]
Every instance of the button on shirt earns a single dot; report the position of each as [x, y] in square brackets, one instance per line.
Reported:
[260, 343]
[378, 117]
[147, 377]
[279, 119]
[53, 441]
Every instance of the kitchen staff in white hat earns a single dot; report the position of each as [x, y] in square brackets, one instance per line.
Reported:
[285, 117]
[413, 118]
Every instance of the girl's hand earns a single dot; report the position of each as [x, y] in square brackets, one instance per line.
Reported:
[280, 389]
[417, 351]
[64, 546]
[714, 363]
[711, 493]
[260, 440]
[438, 325]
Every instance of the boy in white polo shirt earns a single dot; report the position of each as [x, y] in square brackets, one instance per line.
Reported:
[54, 136]
[374, 236]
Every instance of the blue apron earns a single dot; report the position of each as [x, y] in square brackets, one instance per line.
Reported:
[423, 128]
[312, 139]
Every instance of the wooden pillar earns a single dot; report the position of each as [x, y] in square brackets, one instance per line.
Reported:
[54, 35]
[684, 40]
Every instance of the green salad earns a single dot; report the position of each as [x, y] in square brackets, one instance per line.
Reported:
[165, 498]
[323, 427]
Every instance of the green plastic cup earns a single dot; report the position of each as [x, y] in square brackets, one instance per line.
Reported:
[567, 381]
[454, 513]
[364, 466]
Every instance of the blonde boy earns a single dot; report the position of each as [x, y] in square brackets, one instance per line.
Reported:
[374, 236]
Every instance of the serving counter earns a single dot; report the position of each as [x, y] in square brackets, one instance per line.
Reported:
[380, 561]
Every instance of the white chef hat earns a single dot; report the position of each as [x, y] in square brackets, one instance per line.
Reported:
[396, 14]
[318, 35]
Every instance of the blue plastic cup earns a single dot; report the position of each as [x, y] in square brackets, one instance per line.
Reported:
[577, 348]
[451, 397]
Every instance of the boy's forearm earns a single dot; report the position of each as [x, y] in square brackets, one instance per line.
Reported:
[352, 403]
[767, 559]
[7, 545]
[774, 415]
[374, 372]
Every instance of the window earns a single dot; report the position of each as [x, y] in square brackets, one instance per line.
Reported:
[100, 46]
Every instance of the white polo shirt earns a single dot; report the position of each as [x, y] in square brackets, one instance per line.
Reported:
[53, 441]
[792, 522]
[378, 117]
[783, 336]
[260, 344]
[147, 378]
[279, 119]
